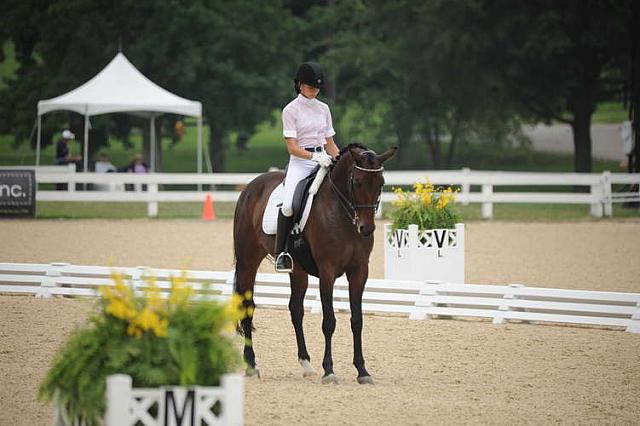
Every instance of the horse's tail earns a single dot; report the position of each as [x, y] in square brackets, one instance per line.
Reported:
[236, 290]
[247, 304]
[235, 281]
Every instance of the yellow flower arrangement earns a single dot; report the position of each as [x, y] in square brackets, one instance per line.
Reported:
[426, 206]
[151, 313]
[158, 334]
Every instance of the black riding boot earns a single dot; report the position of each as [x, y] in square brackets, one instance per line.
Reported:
[284, 262]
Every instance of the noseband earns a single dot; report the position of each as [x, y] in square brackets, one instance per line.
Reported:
[349, 203]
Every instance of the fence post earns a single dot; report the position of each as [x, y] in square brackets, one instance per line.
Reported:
[233, 405]
[71, 186]
[424, 300]
[597, 192]
[504, 306]
[118, 400]
[487, 206]
[136, 276]
[50, 279]
[606, 196]
[634, 327]
[227, 289]
[152, 206]
[465, 187]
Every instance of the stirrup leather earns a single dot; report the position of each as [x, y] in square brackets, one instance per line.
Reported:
[284, 262]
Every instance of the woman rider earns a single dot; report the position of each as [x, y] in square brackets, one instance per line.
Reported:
[308, 132]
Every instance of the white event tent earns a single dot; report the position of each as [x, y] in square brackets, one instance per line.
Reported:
[120, 87]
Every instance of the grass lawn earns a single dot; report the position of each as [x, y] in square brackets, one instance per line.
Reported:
[507, 212]
[76, 210]
[266, 149]
[610, 112]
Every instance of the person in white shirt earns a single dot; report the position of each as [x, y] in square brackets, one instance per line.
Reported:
[308, 133]
[103, 165]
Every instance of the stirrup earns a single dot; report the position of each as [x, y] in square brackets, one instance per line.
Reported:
[284, 262]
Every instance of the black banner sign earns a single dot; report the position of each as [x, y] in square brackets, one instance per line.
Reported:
[17, 193]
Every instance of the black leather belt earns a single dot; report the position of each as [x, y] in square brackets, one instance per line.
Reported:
[314, 149]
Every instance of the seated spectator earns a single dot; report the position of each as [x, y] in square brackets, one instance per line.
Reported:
[103, 165]
[137, 166]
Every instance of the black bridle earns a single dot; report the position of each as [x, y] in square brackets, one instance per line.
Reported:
[349, 204]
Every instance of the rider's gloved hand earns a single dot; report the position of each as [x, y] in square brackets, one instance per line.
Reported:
[322, 158]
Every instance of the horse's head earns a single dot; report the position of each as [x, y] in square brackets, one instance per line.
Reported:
[364, 185]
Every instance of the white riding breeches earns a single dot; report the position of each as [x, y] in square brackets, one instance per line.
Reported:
[298, 169]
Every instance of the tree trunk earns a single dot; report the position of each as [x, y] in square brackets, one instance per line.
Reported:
[216, 149]
[581, 126]
[404, 130]
[454, 140]
[403, 134]
[433, 142]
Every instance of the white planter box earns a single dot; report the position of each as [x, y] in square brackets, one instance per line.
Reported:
[176, 405]
[429, 255]
[171, 405]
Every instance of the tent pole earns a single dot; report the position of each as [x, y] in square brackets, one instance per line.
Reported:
[199, 153]
[199, 144]
[86, 143]
[152, 142]
[38, 141]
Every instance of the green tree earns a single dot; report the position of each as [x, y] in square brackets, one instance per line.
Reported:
[447, 68]
[234, 56]
[401, 54]
[558, 59]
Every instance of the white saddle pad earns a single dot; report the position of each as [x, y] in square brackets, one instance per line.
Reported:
[270, 217]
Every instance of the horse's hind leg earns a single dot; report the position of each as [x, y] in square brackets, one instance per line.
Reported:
[246, 268]
[299, 283]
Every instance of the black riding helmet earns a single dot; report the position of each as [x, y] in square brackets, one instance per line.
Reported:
[310, 73]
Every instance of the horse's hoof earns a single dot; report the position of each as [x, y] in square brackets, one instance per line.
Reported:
[306, 366]
[252, 372]
[365, 380]
[330, 378]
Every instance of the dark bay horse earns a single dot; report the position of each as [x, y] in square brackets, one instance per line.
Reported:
[339, 232]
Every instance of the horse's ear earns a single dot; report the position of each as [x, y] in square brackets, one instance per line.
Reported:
[387, 154]
[354, 153]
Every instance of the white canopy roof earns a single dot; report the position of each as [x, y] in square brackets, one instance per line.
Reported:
[120, 87]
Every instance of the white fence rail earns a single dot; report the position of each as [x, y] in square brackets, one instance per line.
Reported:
[416, 299]
[600, 197]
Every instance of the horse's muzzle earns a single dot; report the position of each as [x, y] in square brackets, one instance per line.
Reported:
[366, 230]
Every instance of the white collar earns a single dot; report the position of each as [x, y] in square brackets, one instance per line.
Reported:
[305, 100]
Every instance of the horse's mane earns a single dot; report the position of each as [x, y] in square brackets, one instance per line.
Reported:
[351, 145]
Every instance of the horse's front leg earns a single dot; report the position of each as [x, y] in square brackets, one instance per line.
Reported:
[328, 326]
[357, 280]
[299, 283]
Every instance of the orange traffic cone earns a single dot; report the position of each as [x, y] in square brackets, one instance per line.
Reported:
[208, 212]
